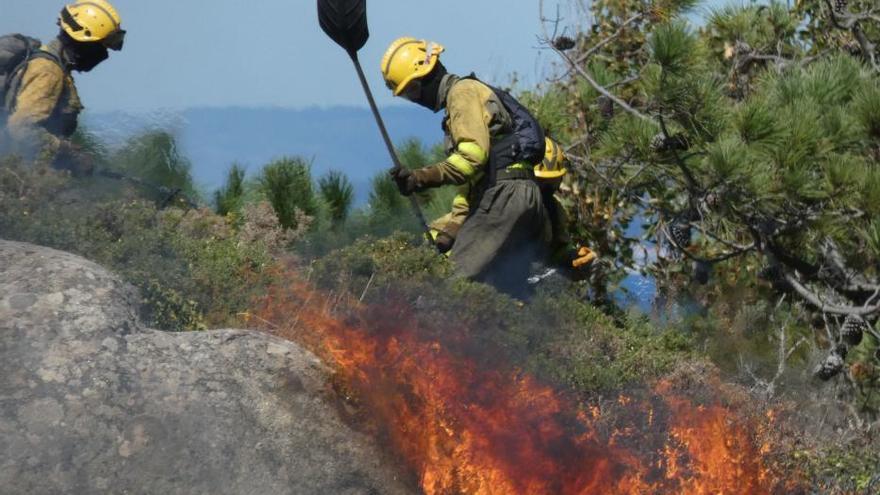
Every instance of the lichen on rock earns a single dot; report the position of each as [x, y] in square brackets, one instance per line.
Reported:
[91, 401]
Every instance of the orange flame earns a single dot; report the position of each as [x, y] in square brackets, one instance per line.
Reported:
[464, 427]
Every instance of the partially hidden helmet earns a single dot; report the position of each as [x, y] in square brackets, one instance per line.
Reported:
[553, 165]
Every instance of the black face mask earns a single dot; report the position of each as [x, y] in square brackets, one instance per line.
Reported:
[82, 57]
[426, 91]
[88, 55]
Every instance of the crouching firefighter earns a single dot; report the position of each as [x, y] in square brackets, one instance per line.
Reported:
[493, 144]
[40, 105]
[561, 251]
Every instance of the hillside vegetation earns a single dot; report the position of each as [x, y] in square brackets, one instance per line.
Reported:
[735, 164]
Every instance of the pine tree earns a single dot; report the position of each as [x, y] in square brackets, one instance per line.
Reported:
[287, 185]
[229, 198]
[155, 161]
[763, 125]
[338, 194]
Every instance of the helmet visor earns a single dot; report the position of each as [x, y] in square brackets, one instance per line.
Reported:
[115, 40]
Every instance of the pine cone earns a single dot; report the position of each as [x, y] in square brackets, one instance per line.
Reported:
[563, 43]
[852, 330]
[661, 143]
[680, 233]
[840, 6]
[658, 142]
[606, 107]
[702, 272]
[770, 273]
[853, 48]
[711, 201]
[832, 365]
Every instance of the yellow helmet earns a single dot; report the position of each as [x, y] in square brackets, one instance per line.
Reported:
[408, 59]
[91, 21]
[553, 166]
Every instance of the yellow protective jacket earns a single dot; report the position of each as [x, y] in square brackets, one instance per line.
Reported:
[46, 107]
[475, 117]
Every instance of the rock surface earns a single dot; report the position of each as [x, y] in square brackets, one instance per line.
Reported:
[93, 402]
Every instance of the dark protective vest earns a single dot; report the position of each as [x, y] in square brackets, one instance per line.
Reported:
[524, 143]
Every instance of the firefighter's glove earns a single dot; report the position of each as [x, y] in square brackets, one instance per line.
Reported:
[418, 180]
[444, 242]
[405, 180]
[582, 258]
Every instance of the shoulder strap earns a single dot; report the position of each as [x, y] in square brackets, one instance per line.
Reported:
[47, 54]
[529, 141]
[13, 81]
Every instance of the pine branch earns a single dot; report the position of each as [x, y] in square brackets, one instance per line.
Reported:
[825, 307]
[851, 21]
[780, 61]
[855, 282]
[624, 82]
[598, 46]
[739, 251]
[691, 180]
[598, 87]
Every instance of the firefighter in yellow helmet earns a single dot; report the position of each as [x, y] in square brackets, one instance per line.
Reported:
[562, 252]
[505, 217]
[549, 175]
[43, 104]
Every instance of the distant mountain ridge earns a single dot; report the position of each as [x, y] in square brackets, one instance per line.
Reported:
[342, 138]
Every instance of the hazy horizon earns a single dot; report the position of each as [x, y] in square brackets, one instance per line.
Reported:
[180, 55]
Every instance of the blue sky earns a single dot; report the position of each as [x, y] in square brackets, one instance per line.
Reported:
[185, 53]
[190, 53]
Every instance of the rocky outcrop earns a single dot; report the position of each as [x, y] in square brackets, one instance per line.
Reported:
[93, 402]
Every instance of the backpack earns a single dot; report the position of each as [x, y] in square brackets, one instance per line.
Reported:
[526, 141]
[16, 50]
[527, 136]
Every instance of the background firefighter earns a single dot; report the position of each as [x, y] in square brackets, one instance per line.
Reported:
[42, 102]
[506, 223]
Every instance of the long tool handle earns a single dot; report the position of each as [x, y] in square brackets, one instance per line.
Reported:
[413, 202]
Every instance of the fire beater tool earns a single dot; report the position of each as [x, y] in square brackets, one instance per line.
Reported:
[345, 22]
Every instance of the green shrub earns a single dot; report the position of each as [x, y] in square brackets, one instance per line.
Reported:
[230, 197]
[287, 185]
[155, 159]
[338, 194]
[191, 266]
[556, 335]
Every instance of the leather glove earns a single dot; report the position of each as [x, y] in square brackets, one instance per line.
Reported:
[582, 258]
[580, 263]
[405, 180]
[444, 242]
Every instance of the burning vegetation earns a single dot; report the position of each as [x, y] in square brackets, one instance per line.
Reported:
[466, 418]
